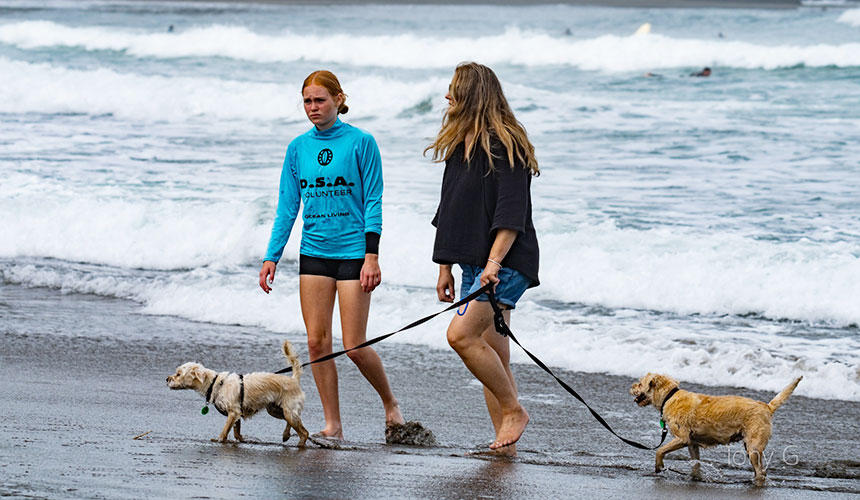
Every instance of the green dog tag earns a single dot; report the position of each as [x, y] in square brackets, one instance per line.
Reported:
[205, 410]
[662, 423]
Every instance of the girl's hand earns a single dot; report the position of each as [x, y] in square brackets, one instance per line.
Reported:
[371, 275]
[267, 275]
[445, 285]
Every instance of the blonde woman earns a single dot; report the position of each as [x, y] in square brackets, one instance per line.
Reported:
[484, 225]
[335, 171]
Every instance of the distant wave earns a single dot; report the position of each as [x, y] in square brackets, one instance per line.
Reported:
[610, 53]
[45, 88]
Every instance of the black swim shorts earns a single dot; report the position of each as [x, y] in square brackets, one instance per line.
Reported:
[339, 269]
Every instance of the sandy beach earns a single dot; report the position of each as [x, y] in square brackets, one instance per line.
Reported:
[85, 375]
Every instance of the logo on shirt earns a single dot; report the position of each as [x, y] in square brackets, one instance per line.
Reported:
[325, 156]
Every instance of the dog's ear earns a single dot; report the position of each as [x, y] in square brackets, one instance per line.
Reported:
[197, 374]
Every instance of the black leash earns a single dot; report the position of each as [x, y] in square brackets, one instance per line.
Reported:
[372, 341]
[503, 330]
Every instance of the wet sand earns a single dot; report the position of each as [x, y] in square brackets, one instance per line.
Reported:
[84, 375]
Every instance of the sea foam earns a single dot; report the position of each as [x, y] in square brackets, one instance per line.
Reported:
[663, 269]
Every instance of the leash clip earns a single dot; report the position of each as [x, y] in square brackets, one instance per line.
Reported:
[498, 319]
[465, 308]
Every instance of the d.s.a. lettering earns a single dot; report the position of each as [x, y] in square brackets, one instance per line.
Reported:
[321, 182]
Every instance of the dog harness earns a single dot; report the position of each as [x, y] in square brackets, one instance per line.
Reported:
[205, 408]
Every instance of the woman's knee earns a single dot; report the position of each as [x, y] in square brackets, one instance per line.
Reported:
[458, 337]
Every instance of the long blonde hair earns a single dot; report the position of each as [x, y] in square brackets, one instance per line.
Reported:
[479, 110]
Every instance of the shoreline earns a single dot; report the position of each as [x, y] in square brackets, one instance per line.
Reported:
[85, 375]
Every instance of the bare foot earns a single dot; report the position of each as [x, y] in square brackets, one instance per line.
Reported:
[393, 415]
[506, 451]
[329, 434]
[509, 451]
[512, 428]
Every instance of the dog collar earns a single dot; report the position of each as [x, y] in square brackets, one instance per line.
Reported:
[668, 397]
[205, 408]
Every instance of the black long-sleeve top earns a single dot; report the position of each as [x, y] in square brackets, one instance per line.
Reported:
[475, 204]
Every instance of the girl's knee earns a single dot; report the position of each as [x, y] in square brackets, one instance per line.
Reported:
[318, 345]
[356, 356]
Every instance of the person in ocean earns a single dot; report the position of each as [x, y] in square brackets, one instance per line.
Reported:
[484, 225]
[706, 72]
[335, 171]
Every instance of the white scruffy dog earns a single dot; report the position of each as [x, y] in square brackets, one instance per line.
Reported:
[241, 396]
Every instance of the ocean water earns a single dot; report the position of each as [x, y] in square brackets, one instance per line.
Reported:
[704, 227]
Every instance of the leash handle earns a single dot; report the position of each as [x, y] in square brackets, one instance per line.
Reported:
[503, 329]
[464, 300]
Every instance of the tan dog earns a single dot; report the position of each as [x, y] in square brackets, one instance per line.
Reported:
[241, 396]
[701, 420]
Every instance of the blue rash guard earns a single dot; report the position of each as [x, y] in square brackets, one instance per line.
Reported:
[337, 174]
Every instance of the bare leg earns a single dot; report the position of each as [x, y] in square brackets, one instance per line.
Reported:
[465, 335]
[317, 297]
[501, 345]
[354, 306]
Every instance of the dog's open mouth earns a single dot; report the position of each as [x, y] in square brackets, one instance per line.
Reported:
[640, 399]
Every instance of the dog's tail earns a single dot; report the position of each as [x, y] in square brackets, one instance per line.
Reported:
[290, 353]
[783, 396]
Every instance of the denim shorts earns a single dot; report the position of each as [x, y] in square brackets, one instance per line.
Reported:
[512, 284]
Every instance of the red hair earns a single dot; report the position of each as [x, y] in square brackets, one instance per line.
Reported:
[327, 79]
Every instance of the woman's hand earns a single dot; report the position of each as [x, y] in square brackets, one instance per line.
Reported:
[267, 275]
[490, 274]
[445, 285]
[371, 275]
